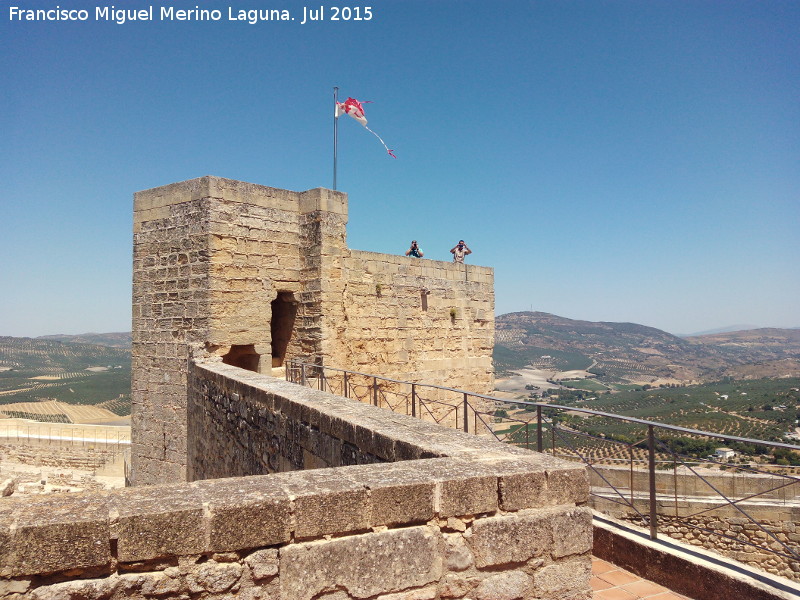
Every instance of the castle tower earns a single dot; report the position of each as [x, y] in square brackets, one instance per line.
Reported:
[226, 267]
[254, 275]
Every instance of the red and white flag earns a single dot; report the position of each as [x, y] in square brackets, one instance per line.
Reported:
[355, 109]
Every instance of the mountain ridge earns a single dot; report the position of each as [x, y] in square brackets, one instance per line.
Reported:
[629, 352]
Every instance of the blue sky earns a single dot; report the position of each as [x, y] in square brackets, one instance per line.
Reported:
[612, 160]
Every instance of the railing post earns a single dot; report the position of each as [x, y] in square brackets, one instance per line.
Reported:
[345, 385]
[466, 416]
[375, 391]
[413, 399]
[630, 448]
[651, 444]
[539, 429]
[303, 374]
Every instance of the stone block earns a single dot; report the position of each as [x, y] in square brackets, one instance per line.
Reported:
[510, 585]
[263, 563]
[90, 590]
[458, 556]
[18, 586]
[363, 565]
[564, 580]
[245, 512]
[426, 593]
[572, 532]
[58, 534]
[512, 538]
[325, 503]
[536, 482]
[158, 521]
[399, 494]
[216, 578]
[460, 490]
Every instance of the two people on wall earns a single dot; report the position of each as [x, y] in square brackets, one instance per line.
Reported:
[459, 251]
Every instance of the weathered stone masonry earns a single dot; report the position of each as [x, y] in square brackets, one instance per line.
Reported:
[256, 275]
[428, 513]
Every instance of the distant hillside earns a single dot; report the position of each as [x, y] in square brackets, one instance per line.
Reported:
[112, 340]
[41, 355]
[728, 329]
[42, 370]
[620, 352]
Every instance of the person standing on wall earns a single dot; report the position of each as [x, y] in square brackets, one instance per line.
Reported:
[415, 250]
[459, 251]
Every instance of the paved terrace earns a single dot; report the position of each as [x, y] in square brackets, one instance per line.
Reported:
[609, 582]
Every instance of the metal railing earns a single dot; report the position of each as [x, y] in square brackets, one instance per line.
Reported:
[116, 438]
[545, 427]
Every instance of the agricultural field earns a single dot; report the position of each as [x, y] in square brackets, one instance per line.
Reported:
[588, 385]
[53, 411]
[36, 373]
[764, 409]
[507, 360]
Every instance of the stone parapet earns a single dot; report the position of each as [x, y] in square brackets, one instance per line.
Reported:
[688, 484]
[745, 532]
[685, 568]
[419, 512]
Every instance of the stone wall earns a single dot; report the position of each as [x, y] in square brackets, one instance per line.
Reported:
[256, 275]
[692, 571]
[71, 458]
[732, 484]
[711, 523]
[418, 320]
[460, 517]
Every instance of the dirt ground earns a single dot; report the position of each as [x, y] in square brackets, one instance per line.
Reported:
[514, 387]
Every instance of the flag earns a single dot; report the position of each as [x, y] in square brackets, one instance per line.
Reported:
[355, 109]
[352, 107]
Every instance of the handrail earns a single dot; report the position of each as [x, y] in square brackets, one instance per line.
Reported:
[422, 407]
[597, 413]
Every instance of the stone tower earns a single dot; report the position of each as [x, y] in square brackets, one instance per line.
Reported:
[255, 274]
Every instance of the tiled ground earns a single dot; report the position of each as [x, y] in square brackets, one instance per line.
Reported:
[612, 583]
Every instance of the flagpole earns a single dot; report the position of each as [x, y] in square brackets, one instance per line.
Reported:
[335, 132]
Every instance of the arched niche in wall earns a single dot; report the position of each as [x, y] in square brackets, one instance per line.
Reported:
[284, 311]
[243, 356]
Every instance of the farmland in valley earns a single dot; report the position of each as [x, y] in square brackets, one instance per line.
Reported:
[42, 378]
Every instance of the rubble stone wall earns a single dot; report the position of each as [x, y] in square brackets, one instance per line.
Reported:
[447, 515]
[71, 458]
[711, 524]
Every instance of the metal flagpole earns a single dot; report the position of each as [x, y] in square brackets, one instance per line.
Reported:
[335, 131]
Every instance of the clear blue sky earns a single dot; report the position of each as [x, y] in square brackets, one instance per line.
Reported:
[612, 160]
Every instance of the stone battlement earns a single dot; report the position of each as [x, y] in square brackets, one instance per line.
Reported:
[415, 511]
[153, 204]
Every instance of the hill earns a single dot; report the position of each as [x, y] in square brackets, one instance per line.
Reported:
[627, 352]
[112, 340]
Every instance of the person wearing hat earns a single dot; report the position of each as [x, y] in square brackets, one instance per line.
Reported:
[414, 250]
[459, 251]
